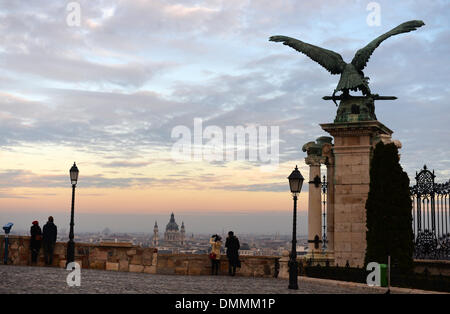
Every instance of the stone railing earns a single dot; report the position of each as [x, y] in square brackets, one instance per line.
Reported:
[434, 267]
[109, 256]
[126, 257]
[196, 264]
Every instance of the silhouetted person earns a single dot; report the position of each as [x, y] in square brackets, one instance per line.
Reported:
[214, 256]
[49, 232]
[232, 245]
[35, 241]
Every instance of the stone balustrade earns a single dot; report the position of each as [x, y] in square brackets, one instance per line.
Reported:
[434, 267]
[109, 256]
[127, 257]
[131, 258]
[196, 264]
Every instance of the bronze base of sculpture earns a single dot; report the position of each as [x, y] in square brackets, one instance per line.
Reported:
[356, 108]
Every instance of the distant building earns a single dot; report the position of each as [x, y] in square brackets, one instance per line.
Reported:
[302, 250]
[183, 234]
[155, 240]
[173, 236]
[245, 250]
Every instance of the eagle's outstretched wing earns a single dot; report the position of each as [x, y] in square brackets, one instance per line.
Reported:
[362, 56]
[330, 60]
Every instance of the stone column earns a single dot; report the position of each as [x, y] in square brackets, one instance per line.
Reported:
[314, 202]
[330, 208]
[327, 151]
[353, 146]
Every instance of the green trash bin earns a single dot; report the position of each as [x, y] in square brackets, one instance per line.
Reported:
[383, 275]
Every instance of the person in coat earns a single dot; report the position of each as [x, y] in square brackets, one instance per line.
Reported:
[232, 245]
[35, 241]
[50, 232]
[214, 256]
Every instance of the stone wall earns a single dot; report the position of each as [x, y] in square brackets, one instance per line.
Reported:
[195, 264]
[126, 257]
[433, 267]
[109, 256]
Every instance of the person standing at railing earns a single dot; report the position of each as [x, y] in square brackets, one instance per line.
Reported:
[50, 233]
[214, 256]
[232, 245]
[35, 241]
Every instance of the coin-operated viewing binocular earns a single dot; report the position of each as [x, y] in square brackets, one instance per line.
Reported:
[7, 229]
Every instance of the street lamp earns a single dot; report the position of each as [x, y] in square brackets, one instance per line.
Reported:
[71, 245]
[295, 183]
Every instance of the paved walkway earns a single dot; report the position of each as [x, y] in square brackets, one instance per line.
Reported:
[26, 279]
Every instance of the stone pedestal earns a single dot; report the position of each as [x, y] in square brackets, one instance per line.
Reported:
[353, 146]
[284, 265]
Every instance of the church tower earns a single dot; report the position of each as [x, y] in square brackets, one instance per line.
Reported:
[183, 234]
[155, 235]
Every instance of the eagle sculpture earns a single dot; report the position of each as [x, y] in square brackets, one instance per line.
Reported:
[352, 76]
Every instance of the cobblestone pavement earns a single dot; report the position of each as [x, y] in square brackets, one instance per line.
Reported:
[26, 279]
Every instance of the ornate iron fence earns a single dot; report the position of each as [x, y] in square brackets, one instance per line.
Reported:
[430, 215]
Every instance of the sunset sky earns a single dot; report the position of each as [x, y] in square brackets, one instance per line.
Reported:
[108, 93]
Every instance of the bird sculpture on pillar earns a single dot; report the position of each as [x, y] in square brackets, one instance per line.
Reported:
[352, 76]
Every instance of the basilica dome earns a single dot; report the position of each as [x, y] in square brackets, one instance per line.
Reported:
[172, 225]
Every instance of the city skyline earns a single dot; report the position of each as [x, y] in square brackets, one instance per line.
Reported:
[197, 223]
[109, 93]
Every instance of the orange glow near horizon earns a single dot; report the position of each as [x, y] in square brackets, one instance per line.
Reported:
[152, 201]
[161, 186]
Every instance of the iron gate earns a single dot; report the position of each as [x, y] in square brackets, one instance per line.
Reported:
[430, 213]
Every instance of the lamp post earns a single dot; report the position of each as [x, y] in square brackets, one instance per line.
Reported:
[295, 183]
[71, 244]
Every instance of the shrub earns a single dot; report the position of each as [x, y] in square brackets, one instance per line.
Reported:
[388, 211]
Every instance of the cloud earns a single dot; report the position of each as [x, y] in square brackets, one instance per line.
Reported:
[267, 187]
[76, 70]
[117, 90]
[24, 178]
[125, 164]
